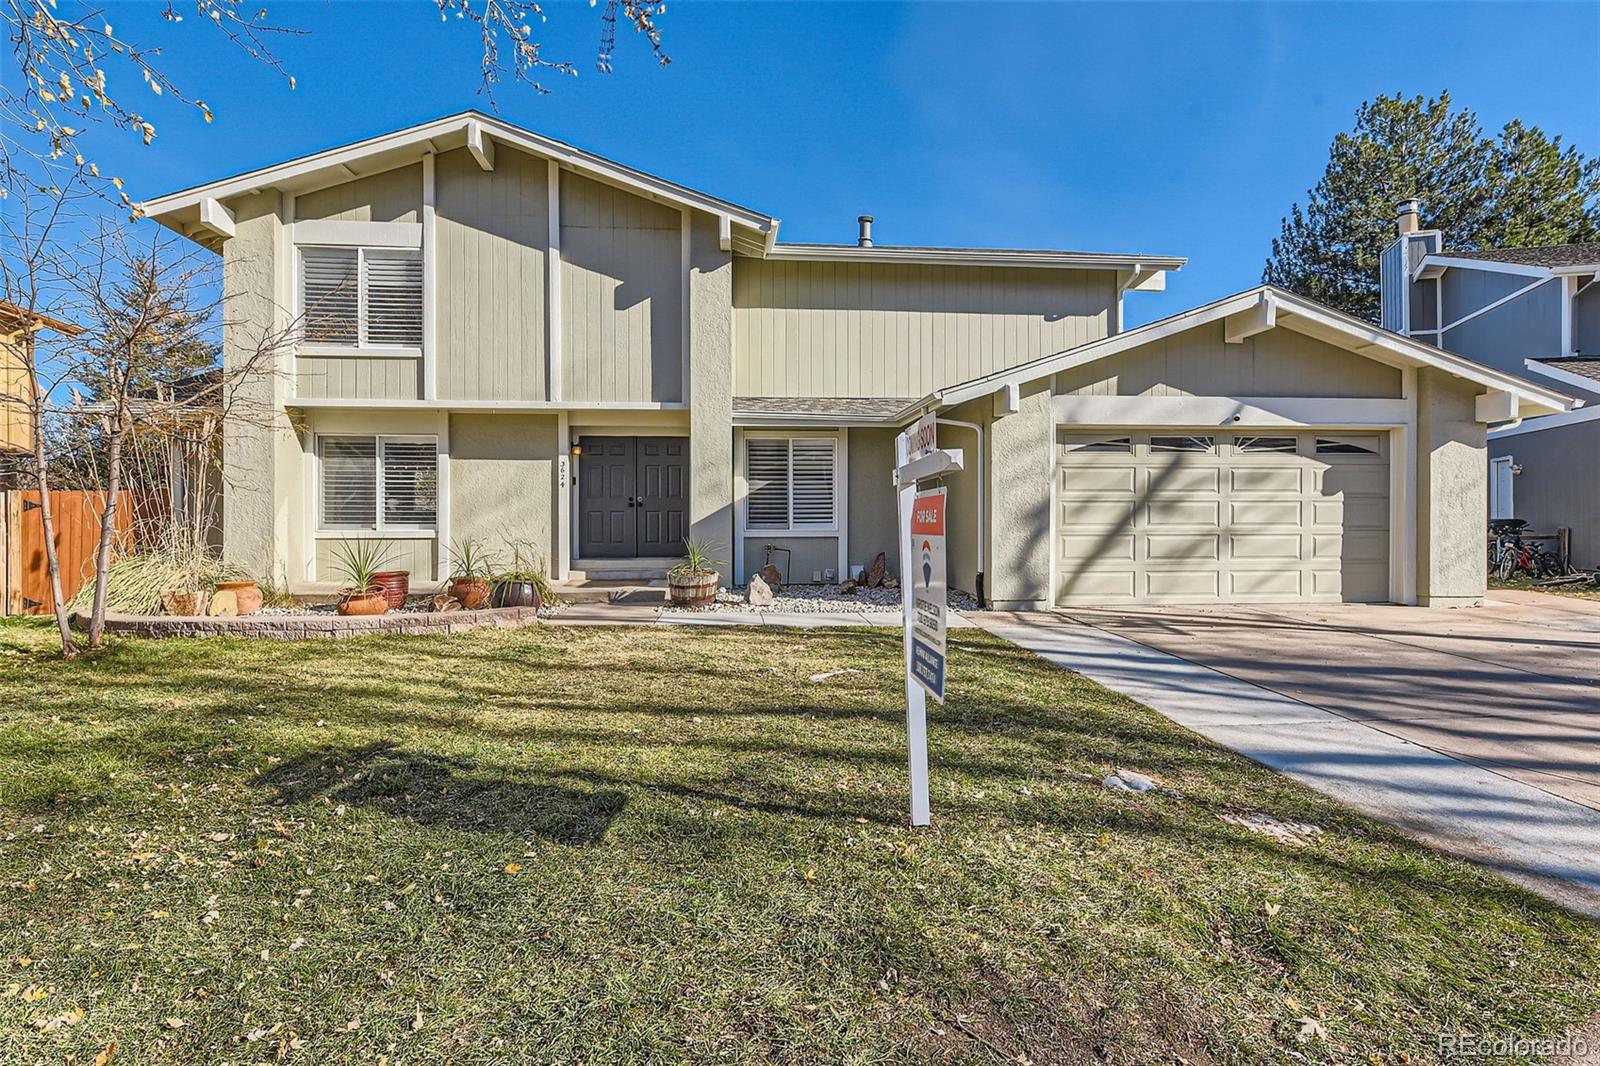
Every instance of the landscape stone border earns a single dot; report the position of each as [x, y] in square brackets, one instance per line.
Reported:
[317, 626]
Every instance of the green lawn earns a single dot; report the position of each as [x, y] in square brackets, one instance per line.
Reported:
[669, 845]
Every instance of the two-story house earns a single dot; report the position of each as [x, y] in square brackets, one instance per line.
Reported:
[1534, 312]
[499, 336]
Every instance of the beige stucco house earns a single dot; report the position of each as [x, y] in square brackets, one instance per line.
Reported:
[501, 337]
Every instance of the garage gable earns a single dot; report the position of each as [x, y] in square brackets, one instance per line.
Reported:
[1200, 361]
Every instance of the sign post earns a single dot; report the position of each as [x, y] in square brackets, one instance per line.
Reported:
[922, 590]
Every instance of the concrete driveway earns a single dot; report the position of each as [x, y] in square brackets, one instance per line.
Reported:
[1513, 685]
[1476, 729]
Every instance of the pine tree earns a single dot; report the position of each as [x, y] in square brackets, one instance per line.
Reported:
[1523, 189]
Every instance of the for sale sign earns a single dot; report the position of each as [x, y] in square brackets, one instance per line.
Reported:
[928, 591]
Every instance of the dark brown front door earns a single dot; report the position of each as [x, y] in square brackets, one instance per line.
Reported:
[632, 496]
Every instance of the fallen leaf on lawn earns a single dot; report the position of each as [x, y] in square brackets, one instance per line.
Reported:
[176, 1023]
[1311, 1029]
[210, 918]
[106, 1055]
[416, 1022]
[218, 838]
[811, 873]
[33, 994]
[352, 1025]
[23, 962]
[513, 868]
[1273, 909]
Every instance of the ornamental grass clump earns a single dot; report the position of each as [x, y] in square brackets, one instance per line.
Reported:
[136, 583]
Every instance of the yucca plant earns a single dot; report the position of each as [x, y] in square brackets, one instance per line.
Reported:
[697, 559]
[471, 561]
[527, 564]
[358, 561]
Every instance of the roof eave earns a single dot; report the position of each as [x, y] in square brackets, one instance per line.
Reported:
[844, 253]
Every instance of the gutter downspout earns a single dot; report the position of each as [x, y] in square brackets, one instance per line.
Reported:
[979, 470]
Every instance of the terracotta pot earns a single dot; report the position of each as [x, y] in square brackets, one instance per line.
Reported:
[247, 594]
[471, 592]
[515, 594]
[396, 585]
[693, 590]
[368, 601]
[186, 603]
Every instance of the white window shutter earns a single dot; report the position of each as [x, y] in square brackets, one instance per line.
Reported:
[330, 296]
[766, 471]
[410, 484]
[394, 299]
[812, 475]
[349, 483]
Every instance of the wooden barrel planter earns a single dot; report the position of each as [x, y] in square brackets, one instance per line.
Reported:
[692, 588]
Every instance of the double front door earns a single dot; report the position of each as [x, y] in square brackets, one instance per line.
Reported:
[633, 496]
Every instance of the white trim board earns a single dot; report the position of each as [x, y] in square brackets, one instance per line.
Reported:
[1538, 425]
[1223, 412]
[1566, 377]
[340, 233]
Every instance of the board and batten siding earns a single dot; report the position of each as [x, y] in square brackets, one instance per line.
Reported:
[621, 295]
[1199, 362]
[491, 231]
[1586, 322]
[414, 554]
[358, 377]
[390, 196]
[881, 329]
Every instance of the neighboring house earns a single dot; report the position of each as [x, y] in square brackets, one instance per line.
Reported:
[18, 329]
[505, 338]
[1534, 312]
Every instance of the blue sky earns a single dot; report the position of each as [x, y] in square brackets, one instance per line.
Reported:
[1182, 129]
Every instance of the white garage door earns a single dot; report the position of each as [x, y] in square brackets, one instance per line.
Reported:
[1221, 518]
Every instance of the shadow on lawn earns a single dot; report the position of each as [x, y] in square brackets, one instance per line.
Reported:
[436, 790]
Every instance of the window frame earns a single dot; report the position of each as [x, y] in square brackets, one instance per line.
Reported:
[835, 528]
[380, 528]
[363, 346]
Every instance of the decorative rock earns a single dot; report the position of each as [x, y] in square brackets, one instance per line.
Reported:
[874, 576]
[444, 602]
[847, 588]
[773, 578]
[759, 593]
[1128, 781]
[224, 604]
[891, 582]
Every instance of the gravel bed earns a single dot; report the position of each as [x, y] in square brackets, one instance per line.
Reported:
[821, 599]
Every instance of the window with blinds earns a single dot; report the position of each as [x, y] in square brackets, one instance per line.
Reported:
[362, 297]
[360, 473]
[791, 483]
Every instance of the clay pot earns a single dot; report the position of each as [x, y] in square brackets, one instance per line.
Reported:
[692, 590]
[368, 601]
[396, 585]
[246, 594]
[471, 592]
[515, 594]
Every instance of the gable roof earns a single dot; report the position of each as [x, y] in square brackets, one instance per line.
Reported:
[1283, 309]
[1551, 255]
[748, 229]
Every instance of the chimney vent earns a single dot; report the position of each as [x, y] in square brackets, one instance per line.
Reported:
[864, 239]
[1408, 216]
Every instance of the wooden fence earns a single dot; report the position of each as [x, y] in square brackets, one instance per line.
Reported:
[76, 517]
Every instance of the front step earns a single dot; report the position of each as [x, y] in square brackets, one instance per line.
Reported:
[585, 590]
[647, 570]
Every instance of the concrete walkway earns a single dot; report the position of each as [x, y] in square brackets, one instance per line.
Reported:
[1546, 842]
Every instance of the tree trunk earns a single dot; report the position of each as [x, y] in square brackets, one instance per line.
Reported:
[69, 649]
[108, 530]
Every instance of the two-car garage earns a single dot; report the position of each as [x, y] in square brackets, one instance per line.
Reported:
[1181, 516]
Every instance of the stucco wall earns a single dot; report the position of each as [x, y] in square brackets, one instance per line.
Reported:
[873, 525]
[807, 556]
[261, 452]
[710, 387]
[1553, 489]
[1021, 480]
[502, 480]
[1452, 492]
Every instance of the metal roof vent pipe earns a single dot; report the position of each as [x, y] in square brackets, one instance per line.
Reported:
[864, 238]
[1408, 216]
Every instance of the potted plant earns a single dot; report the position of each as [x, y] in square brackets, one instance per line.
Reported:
[359, 562]
[692, 582]
[396, 586]
[246, 593]
[523, 583]
[470, 568]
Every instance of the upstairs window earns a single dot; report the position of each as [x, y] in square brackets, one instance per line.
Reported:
[793, 484]
[378, 483]
[361, 297]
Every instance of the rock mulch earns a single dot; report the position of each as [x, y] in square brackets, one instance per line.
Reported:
[313, 624]
[820, 599]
